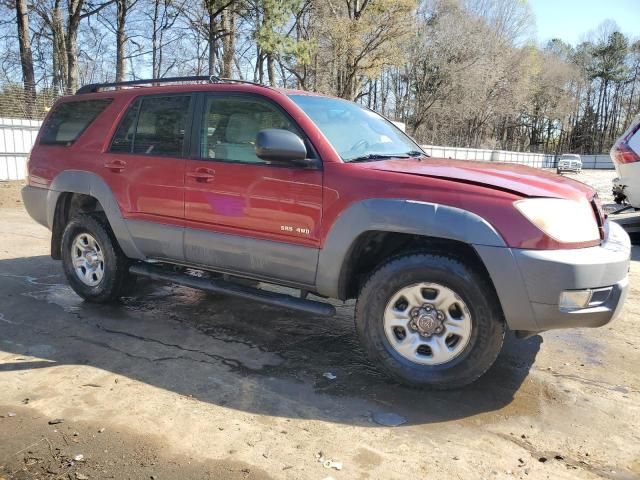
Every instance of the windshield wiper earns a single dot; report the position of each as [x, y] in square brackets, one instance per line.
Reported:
[376, 156]
[416, 153]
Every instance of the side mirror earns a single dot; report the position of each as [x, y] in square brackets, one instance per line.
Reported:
[282, 146]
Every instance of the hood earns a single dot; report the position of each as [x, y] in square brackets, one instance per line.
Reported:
[519, 179]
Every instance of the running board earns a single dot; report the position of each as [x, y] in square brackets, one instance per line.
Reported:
[235, 290]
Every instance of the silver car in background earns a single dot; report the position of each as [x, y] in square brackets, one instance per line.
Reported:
[569, 162]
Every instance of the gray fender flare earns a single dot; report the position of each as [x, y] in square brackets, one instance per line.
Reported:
[77, 181]
[401, 216]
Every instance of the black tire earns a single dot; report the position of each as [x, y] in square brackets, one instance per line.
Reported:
[116, 281]
[487, 331]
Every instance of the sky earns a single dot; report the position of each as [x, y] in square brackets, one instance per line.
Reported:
[571, 19]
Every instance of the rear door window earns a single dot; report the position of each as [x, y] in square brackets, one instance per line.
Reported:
[68, 120]
[153, 126]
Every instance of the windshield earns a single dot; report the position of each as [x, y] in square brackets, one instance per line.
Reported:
[355, 132]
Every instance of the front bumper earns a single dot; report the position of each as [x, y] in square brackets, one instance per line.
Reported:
[529, 282]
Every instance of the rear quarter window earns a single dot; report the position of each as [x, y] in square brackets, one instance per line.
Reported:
[68, 120]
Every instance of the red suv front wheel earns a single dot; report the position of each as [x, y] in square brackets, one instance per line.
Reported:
[430, 320]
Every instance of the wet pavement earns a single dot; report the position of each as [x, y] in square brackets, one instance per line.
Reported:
[168, 328]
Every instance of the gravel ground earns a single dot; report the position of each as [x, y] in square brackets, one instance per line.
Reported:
[601, 180]
[176, 383]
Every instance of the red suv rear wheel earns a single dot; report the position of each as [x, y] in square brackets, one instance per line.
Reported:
[92, 260]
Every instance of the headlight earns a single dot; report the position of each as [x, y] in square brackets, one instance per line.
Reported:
[567, 221]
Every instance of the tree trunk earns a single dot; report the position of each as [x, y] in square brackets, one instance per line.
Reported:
[121, 37]
[59, 50]
[212, 40]
[155, 65]
[72, 61]
[26, 58]
[271, 70]
[258, 72]
[229, 41]
[75, 8]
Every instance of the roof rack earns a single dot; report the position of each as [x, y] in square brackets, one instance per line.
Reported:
[96, 87]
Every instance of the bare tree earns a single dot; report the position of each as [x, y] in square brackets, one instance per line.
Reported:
[228, 40]
[165, 14]
[457, 72]
[26, 57]
[63, 25]
[123, 9]
[361, 38]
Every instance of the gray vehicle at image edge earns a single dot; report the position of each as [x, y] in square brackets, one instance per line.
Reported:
[326, 197]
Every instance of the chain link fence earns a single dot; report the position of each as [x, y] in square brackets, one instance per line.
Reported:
[18, 102]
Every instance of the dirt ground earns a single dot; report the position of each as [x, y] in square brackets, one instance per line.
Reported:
[10, 195]
[178, 384]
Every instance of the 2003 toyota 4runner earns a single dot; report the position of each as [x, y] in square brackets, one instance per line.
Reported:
[327, 197]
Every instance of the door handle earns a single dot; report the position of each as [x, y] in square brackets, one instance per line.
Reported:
[116, 165]
[204, 175]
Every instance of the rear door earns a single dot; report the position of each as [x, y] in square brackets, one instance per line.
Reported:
[242, 213]
[145, 167]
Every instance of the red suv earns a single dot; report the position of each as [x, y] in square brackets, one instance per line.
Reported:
[327, 197]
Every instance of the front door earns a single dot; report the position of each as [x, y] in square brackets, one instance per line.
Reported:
[145, 167]
[242, 213]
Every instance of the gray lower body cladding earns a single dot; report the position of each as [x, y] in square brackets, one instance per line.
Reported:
[529, 282]
[227, 253]
[267, 259]
[36, 201]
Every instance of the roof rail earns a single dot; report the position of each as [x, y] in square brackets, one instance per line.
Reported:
[96, 87]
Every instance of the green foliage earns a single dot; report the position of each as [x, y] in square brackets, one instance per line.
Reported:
[608, 58]
[271, 35]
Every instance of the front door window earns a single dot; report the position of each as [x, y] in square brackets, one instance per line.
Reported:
[230, 126]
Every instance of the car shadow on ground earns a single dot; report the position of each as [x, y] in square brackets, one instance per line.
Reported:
[228, 352]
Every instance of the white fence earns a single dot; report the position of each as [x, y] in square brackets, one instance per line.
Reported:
[539, 160]
[600, 162]
[16, 139]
